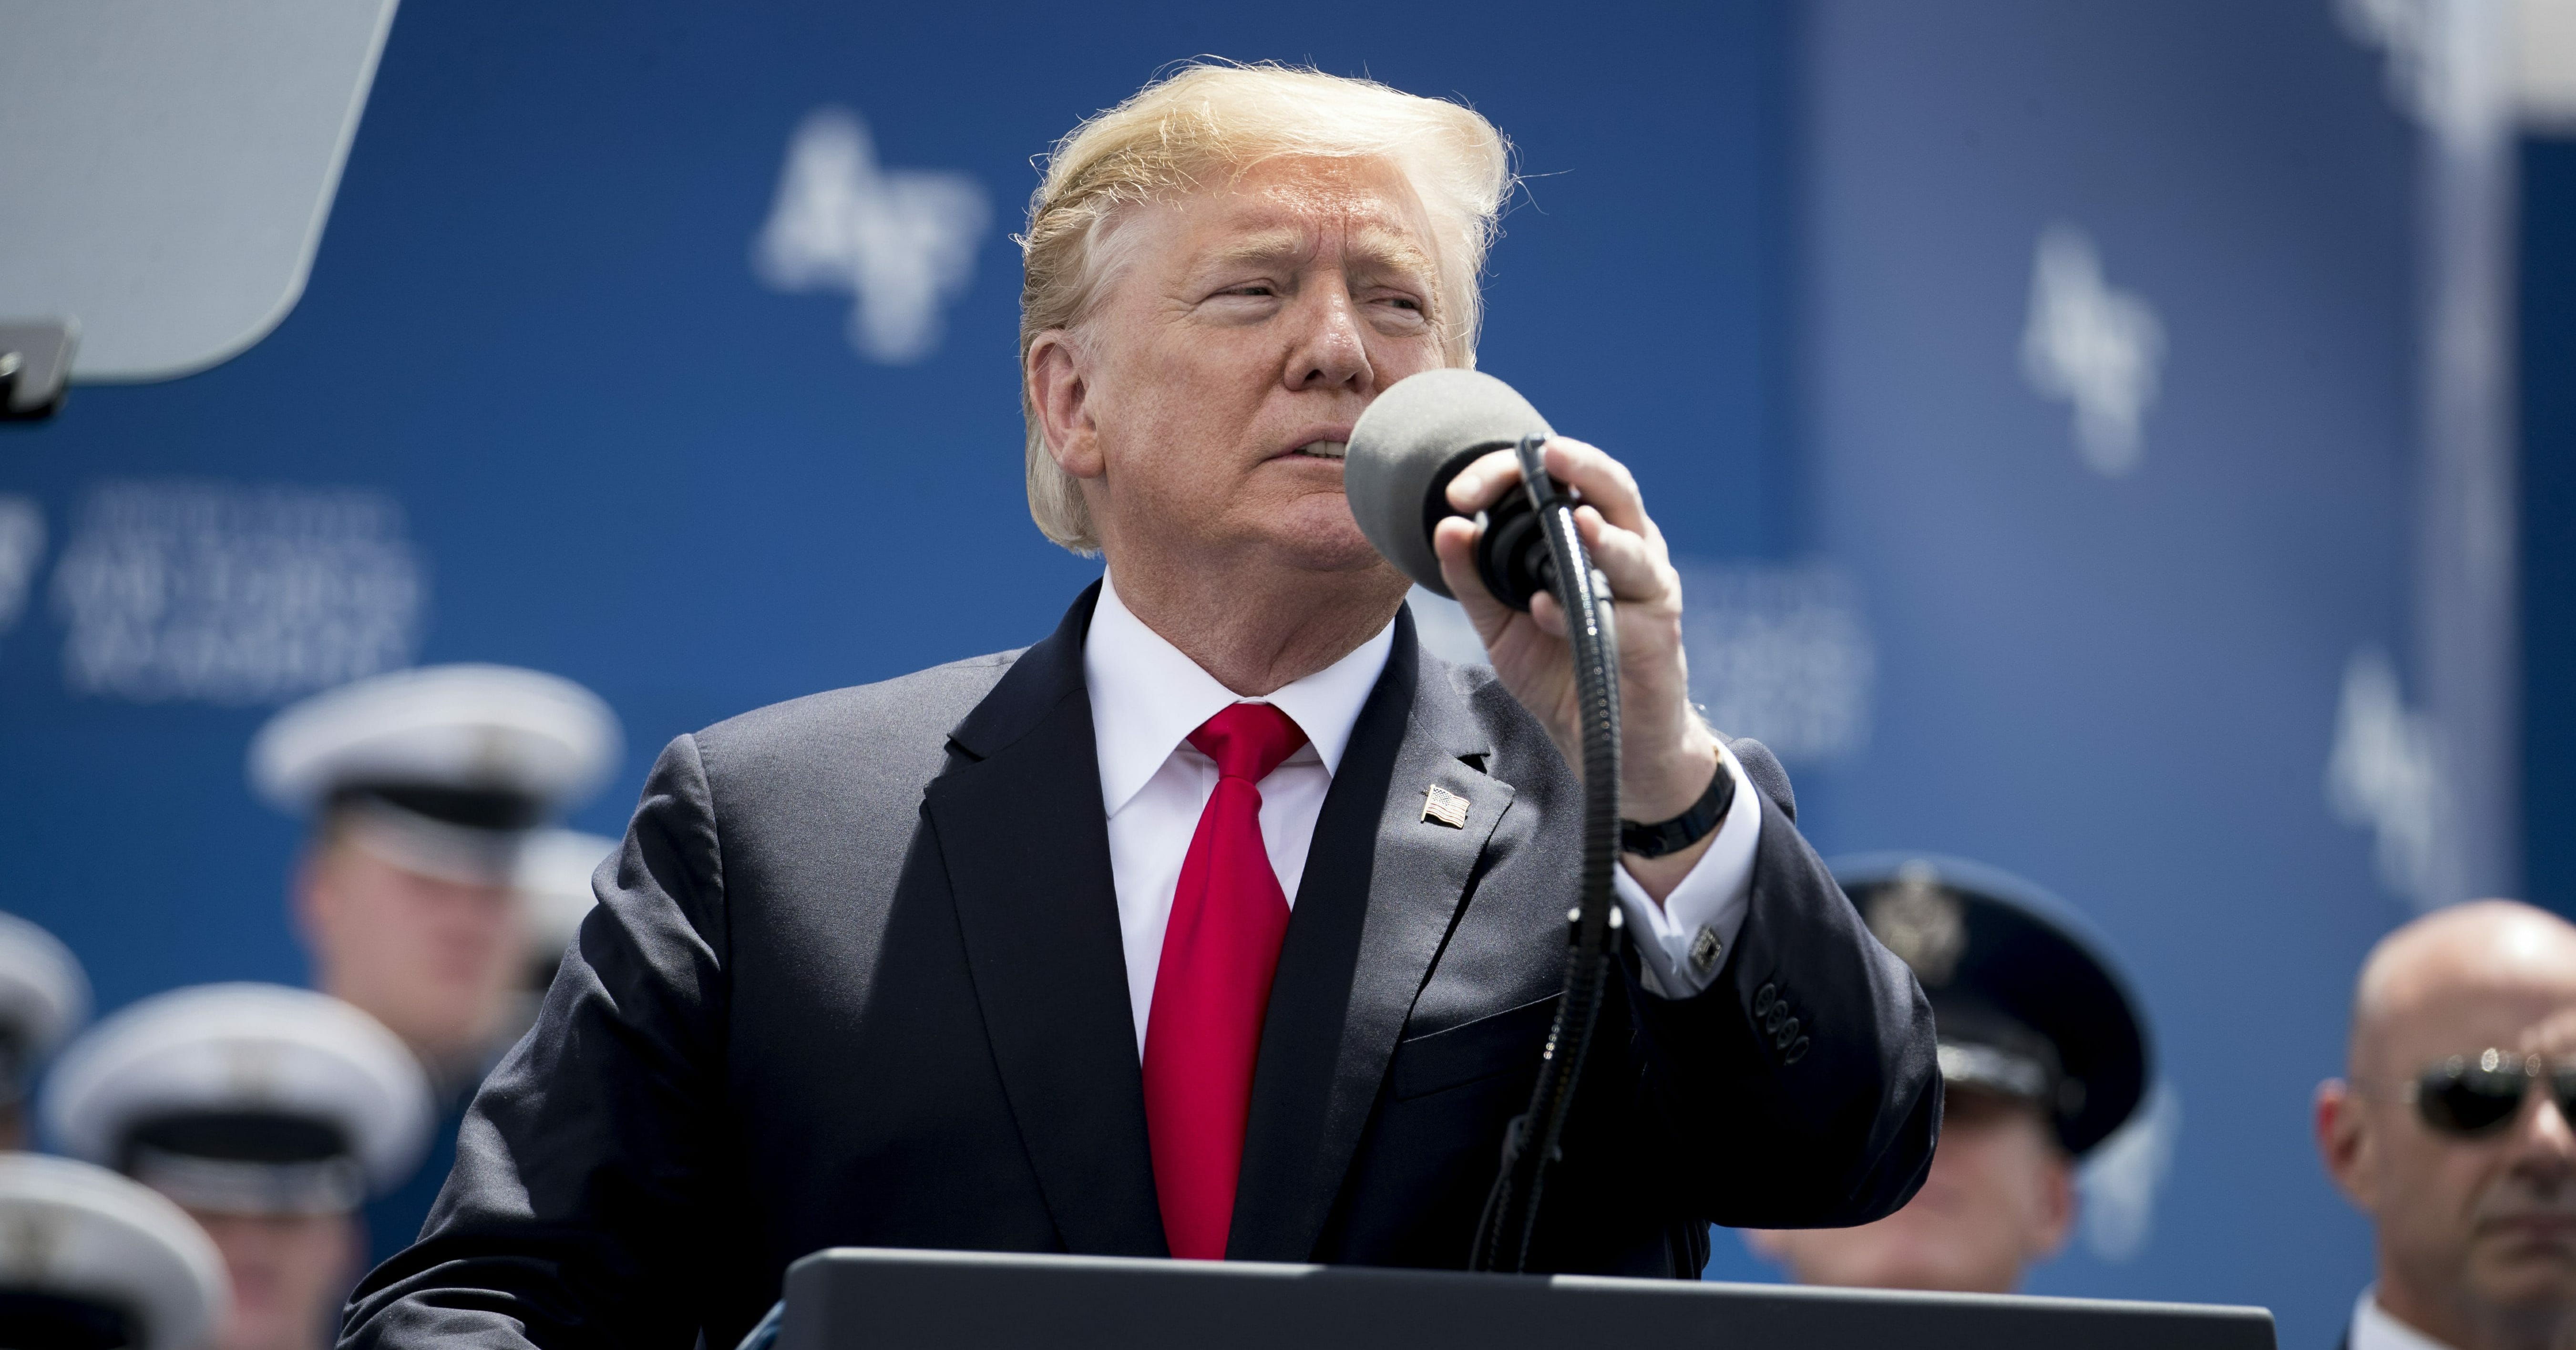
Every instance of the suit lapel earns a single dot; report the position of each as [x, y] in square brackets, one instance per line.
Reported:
[1026, 844]
[1381, 886]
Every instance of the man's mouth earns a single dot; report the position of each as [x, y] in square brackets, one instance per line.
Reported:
[2554, 1228]
[1321, 449]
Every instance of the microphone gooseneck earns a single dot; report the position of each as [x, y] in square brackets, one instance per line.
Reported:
[1402, 455]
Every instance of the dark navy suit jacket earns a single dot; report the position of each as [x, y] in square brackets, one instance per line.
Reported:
[856, 979]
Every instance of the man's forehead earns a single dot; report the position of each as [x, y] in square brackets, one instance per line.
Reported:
[1368, 188]
[2459, 1017]
[1359, 243]
[2485, 972]
[1296, 210]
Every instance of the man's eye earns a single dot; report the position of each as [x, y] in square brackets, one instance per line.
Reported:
[1258, 288]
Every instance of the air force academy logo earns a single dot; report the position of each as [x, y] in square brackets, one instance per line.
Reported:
[900, 242]
[2094, 346]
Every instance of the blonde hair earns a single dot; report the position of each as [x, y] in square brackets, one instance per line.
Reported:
[1208, 119]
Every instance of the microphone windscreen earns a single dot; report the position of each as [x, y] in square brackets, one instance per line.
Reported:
[1411, 442]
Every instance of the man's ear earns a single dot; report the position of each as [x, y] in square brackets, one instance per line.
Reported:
[308, 899]
[1058, 373]
[2344, 1142]
[2057, 1210]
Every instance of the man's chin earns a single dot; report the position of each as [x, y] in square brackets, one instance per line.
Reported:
[2515, 1270]
[1307, 540]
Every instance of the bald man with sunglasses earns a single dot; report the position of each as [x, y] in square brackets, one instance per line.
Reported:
[2453, 1132]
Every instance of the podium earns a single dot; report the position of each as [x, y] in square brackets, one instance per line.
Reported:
[881, 1299]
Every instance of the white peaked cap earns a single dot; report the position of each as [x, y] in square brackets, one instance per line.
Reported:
[44, 997]
[243, 1048]
[554, 874]
[83, 1232]
[466, 727]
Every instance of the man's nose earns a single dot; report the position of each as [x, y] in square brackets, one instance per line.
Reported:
[2544, 1141]
[1331, 349]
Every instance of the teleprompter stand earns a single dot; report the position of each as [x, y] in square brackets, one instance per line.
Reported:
[881, 1299]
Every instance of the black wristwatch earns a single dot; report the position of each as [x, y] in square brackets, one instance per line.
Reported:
[1686, 829]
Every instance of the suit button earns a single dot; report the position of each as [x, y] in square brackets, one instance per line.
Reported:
[1764, 997]
[1788, 1032]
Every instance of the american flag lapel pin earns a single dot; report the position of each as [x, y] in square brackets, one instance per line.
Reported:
[1440, 804]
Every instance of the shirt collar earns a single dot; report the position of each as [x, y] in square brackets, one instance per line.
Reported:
[1147, 697]
[2374, 1329]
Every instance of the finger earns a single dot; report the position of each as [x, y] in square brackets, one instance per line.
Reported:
[1483, 481]
[1548, 615]
[1603, 481]
[1454, 540]
[1637, 572]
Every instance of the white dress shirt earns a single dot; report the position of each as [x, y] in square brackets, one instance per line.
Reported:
[1146, 698]
[2374, 1329]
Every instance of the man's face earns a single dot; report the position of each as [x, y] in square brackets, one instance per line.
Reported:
[434, 960]
[1248, 322]
[2487, 1222]
[289, 1273]
[2000, 1197]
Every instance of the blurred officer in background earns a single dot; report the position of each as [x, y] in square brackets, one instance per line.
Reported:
[44, 998]
[423, 787]
[96, 1260]
[2043, 1055]
[2453, 1132]
[268, 1114]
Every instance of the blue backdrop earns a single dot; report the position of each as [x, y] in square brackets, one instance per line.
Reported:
[2040, 375]
[2547, 323]
[2105, 339]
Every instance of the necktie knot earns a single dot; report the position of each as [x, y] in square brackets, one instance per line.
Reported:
[1248, 740]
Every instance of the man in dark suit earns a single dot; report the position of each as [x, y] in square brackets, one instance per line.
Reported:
[1223, 922]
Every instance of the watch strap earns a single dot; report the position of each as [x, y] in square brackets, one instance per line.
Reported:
[1686, 829]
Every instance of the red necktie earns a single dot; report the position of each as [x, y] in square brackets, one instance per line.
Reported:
[1219, 952]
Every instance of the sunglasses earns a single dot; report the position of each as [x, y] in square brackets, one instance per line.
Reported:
[2472, 1095]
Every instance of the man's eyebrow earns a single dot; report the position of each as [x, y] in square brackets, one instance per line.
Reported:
[1266, 247]
[1393, 252]
[1378, 249]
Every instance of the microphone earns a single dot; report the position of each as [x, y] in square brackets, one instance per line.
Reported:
[1396, 471]
[1406, 448]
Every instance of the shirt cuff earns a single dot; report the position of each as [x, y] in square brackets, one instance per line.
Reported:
[1684, 940]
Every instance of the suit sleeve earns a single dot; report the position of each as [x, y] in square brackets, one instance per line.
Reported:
[1800, 1088]
[1683, 940]
[582, 1168]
